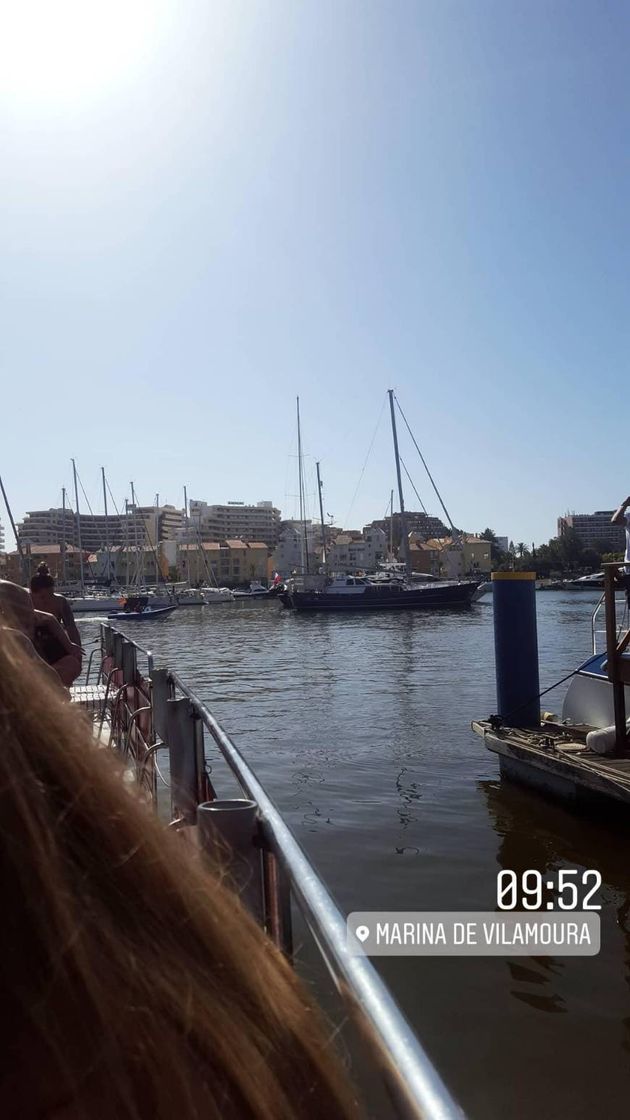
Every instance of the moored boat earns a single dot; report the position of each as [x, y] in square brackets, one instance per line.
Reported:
[213, 595]
[137, 608]
[353, 593]
[254, 591]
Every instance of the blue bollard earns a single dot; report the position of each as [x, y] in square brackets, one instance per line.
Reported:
[516, 648]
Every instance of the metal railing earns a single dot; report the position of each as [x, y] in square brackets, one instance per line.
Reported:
[596, 633]
[274, 874]
[617, 662]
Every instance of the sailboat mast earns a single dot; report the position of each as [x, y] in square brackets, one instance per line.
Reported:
[321, 516]
[302, 503]
[127, 542]
[139, 561]
[186, 540]
[107, 550]
[391, 524]
[23, 558]
[63, 535]
[403, 520]
[78, 517]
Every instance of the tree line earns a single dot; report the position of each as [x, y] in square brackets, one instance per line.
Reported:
[561, 556]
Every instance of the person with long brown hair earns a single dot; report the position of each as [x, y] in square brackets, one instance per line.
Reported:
[134, 985]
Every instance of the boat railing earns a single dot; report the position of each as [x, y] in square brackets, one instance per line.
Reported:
[278, 882]
[598, 632]
[617, 660]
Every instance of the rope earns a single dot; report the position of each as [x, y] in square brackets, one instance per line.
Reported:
[413, 487]
[496, 721]
[109, 491]
[354, 496]
[441, 547]
[448, 516]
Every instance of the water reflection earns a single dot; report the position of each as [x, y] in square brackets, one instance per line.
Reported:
[536, 833]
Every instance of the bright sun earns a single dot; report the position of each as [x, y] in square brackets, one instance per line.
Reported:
[55, 50]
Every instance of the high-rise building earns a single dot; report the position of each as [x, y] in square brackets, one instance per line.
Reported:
[235, 520]
[161, 523]
[2, 541]
[594, 529]
[97, 531]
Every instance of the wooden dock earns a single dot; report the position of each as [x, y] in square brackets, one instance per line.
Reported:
[555, 759]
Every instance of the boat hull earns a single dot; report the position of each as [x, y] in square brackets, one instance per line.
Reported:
[142, 616]
[374, 598]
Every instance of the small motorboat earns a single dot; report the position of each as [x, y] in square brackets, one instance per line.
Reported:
[136, 608]
[255, 591]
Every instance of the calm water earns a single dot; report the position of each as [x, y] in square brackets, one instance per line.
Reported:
[360, 729]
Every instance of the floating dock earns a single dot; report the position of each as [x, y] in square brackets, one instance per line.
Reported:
[542, 751]
[556, 759]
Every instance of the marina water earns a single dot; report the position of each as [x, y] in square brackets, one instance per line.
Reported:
[359, 727]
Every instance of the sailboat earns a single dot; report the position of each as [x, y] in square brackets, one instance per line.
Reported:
[359, 593]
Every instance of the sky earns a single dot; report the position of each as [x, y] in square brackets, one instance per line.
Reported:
[208, 209]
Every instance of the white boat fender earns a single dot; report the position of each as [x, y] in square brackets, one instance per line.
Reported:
[604, 739]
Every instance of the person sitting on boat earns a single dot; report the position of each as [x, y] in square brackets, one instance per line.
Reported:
[18, 618]
[621, 516]
[45, 598]
[135, 985]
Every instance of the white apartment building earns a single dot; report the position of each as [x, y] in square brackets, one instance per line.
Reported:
[352, 552]
[288, 555]
[594, 528]
[59, 526]
[161, 523]
[235, 520]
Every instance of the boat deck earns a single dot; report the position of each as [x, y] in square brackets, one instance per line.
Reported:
[555, 758]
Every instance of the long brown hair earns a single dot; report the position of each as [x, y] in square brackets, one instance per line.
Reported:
[133, 983]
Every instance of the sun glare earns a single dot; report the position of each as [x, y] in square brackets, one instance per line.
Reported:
[53, 50]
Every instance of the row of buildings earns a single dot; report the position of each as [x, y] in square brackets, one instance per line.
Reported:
[232, 562]
[236, 543]
[139, 525]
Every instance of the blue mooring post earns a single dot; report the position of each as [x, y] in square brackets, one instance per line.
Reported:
[516, 647]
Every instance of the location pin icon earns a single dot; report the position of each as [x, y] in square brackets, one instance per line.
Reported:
[362, 932]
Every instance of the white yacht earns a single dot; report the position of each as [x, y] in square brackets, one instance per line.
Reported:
[213, 595]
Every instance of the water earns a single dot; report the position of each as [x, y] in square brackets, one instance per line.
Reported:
[359, 727]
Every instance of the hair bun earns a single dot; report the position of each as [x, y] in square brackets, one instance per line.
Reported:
[42, 578]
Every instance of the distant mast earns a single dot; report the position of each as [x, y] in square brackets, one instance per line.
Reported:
[63, 535]
[321, 516]
[403, 520]
[107, 549]
[391, 525]
[23, 558]
[78, 517]
[302, 502]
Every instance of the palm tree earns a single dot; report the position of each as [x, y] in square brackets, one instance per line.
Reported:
[521, 549]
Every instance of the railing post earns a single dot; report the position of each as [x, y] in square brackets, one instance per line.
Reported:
[107, 638]
[184, 738]
[229, 833]
[612, 658]
[278, 917]
[129, 664]
[161, 692]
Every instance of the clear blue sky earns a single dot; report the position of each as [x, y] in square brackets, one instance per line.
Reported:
[208, 208]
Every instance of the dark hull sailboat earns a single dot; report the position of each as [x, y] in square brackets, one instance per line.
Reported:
[366, 596]
[352, 593]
